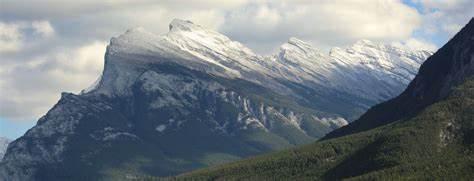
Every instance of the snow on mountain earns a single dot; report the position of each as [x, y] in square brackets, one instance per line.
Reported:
[357, 69]
[3, 146]
[377, 70]
[367, 70]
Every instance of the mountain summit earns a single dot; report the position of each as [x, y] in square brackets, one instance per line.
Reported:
[192, 98]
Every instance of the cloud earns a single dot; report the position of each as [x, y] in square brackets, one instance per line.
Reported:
[416, 44]
[10, 37]
[443, 18]
[43, 28]
[29, 89]
[14, 34]
[325, 23]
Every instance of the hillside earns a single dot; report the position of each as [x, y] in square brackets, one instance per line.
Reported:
[437, 143]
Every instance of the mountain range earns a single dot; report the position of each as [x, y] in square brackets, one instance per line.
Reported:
[425, 133]
[193, 98]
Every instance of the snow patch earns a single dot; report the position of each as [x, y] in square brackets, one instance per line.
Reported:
[336, 122]
[160, 128]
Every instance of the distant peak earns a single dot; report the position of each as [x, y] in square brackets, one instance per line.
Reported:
[297, 42]
[179, 24]
[297, 48]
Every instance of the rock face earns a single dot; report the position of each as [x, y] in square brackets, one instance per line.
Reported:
[3, 146]
[192, 98]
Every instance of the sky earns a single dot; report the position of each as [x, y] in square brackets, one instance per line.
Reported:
[52, 46]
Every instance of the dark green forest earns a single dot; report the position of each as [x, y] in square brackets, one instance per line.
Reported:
[435, 143]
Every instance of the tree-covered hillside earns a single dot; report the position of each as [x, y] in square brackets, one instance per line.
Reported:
[436, 143]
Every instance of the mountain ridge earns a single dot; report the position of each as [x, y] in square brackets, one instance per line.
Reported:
[434, 81]
[195, 47]
[427, 132]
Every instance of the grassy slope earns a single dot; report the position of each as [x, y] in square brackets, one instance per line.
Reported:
[437, 142]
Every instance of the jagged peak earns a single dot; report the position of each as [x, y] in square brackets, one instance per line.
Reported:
[363, 44]
[295, 42]
[183, 25]
[191, 36]
[300, 47]
[298, 42]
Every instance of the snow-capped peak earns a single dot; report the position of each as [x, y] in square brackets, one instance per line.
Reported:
[299, 43]
[199, 40]
[365, 42]
[206, 50]
[296, 49]
[134, 41]
[181, 25]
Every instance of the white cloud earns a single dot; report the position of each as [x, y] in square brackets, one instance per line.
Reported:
[13, 34]
[43, 28]
[29, 90]
[416, 44]
[10, 37]
[442, 19]
[328, 23]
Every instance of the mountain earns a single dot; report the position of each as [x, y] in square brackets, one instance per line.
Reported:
[434, 82]
[192, 98]
[3, 146]
[427, 132]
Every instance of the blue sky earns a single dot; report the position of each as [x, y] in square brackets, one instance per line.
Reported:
[13, 130]
[48, 47]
